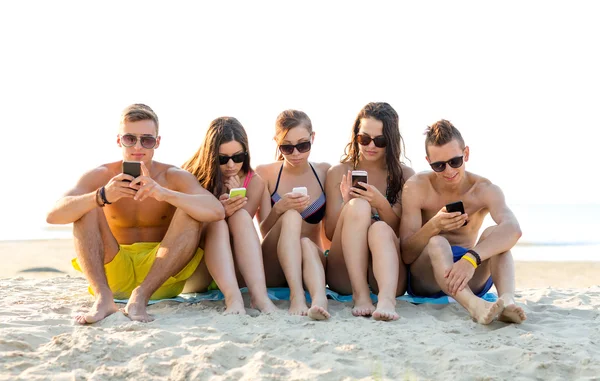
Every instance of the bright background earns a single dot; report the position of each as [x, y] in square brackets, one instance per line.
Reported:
[519, 79]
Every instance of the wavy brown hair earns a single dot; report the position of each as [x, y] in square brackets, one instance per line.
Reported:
[395, 145]
[204, 164]
[287, 120]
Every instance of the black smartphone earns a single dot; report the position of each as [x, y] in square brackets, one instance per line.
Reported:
[456, 206]
[133, 168]
[359, 176]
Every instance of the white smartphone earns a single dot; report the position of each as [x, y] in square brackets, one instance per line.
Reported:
[302, 190]
[237, 192]
[359, 176]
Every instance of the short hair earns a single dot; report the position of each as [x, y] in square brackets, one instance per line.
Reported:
[137, 112]
[440, 133]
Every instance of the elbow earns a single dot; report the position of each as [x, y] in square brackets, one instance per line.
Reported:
[517, 232]
[219, 212]
[51, 218]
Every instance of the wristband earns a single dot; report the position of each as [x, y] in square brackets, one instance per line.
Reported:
[477, 257]
[98, 199]
[103, 195]
[470, 260]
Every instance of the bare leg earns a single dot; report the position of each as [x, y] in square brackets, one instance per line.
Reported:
[248, 256]
[480, 310]
[502, 268]
[219, 260]
[94, 246]
[289, 253]
[175, 251]
[313, 271]
[384, 246]
[357, 220]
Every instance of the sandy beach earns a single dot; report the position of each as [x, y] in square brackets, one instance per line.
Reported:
[38, 339]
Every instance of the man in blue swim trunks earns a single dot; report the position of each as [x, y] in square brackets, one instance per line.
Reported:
[441, 248]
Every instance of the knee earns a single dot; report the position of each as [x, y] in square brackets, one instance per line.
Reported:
[379, 231]
[217, 227]
[88, 220]
[357, 208]
[437, 246]
[238, 217]
[486, 233]
[291, 217]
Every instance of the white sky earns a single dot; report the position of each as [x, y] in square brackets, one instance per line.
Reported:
[519, 79]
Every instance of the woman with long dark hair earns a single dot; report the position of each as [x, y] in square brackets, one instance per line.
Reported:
[363, 224]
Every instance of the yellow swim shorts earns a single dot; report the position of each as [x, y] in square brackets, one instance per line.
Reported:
[131, 266]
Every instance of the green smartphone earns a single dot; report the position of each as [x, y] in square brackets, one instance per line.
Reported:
[237, 192]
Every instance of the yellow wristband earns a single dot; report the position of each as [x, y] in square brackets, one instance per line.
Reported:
[470, 260]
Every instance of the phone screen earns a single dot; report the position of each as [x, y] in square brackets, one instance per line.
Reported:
[456, 207]
[359, 176]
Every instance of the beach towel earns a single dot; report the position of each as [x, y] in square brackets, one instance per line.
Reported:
[283, 293]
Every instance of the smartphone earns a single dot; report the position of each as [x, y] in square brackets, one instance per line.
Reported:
[302, 190]
[359, 176]
[237, 192]
[133, 168]
[456, 207]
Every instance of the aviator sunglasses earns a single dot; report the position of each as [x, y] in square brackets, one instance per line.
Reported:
[440, 166]
[288, 149]
[365, 140]
[130, 140]
[237, 158]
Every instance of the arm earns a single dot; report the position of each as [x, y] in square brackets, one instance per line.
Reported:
[413, 236]
[335, 202]
[254, 193]
[267, 216]
[507, 232]
[190, 197]
[82, 198]
[391, 214]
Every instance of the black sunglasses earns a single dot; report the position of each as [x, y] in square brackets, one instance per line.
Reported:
[130, 140]
[365, 140]
[288, 149]
[237, 158]
[440, 166]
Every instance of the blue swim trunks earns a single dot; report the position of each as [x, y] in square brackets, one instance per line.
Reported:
[457, 253]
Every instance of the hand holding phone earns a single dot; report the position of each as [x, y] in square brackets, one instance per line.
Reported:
[456, 206]
[359, 176]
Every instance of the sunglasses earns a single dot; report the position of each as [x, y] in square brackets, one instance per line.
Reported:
[440, 166]
[365, 140]
[237, 158]
[130, 140]
[288, 149]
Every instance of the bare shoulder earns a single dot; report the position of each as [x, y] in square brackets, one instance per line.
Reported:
[95, 178]
[407, 171]
[336, 171]
[266, 170]
[322, 169]
[484, 188]
[256, 183]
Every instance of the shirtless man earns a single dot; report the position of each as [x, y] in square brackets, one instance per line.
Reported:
[138, 238]
[441, 248]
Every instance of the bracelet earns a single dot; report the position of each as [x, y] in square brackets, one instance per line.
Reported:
[470, 260]
[477, 257]
[98, 199]
[103, 195]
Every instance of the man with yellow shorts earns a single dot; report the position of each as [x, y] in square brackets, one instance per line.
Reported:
[138, 227]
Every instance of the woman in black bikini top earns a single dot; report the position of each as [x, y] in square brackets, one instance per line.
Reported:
[290, 221]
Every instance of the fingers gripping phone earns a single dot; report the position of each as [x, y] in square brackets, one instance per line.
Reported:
[456, 207]
[133, 168]
[359, 176]
[237, 192]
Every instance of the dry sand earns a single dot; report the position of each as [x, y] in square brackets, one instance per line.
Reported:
[38, 339]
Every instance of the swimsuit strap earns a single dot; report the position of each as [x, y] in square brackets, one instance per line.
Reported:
[248, 178]
[315, 172]
[277, 183]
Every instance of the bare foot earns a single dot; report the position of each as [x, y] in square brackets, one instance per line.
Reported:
[318, 313]
[386, 310]
[363, 306]
[103, 306]
[136, 307]
[485, 312]
[511, 312]
[264, 305]
[235, 306]
[298, 306]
